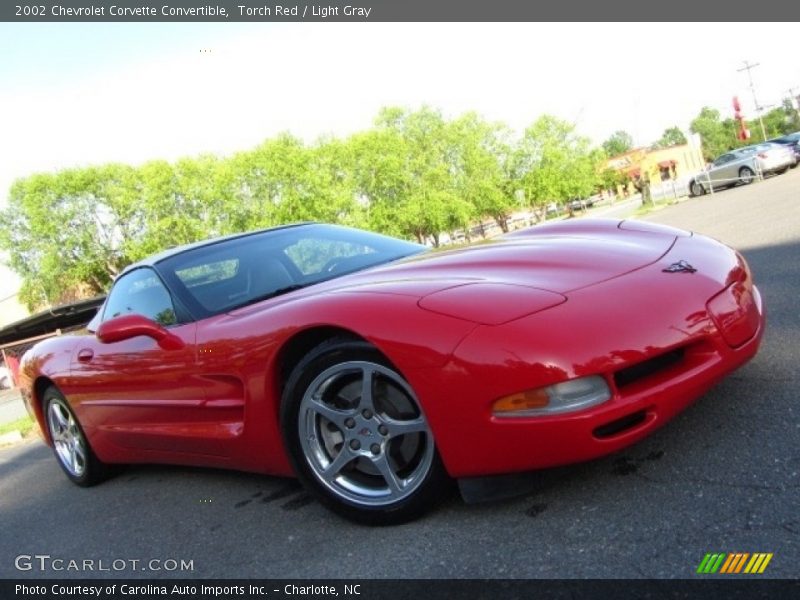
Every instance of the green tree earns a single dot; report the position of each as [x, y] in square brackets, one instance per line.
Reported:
[428, 201]
[481, 152]
[781, 120]
[553, 162]
[618, 143]
[718, 136]
[611, 178]
[63, 232]
[672, 136]
[380, 179]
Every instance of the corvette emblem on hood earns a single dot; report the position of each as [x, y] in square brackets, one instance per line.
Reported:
[680, 267]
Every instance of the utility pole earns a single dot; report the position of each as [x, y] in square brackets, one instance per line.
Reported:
[747, 67]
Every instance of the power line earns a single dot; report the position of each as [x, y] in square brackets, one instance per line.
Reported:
[747, 67]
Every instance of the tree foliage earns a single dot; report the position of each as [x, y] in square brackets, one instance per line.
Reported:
[554, 162]
[618, 143]
[781, 120]
[414, 174]
[672, 136]
[720, 135]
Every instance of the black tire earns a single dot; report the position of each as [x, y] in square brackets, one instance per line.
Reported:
[70, 444]
[746, 175]
[782, 171]
[370, 459]
[696, 189]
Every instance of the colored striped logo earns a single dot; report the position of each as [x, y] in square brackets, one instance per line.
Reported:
[734, 562]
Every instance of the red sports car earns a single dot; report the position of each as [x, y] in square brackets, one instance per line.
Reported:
[377, 372]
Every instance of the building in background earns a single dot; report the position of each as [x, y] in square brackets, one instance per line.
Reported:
[663, 167]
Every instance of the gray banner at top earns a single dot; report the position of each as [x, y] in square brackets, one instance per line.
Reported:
[399, 10]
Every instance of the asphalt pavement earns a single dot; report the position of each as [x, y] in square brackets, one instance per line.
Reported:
[722, 477]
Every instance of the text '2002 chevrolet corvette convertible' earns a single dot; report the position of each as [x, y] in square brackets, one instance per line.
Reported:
[377, 371]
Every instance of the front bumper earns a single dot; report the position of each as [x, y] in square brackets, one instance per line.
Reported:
[649, 333]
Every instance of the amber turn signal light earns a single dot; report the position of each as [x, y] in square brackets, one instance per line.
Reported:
[567, 396]
[528, 400]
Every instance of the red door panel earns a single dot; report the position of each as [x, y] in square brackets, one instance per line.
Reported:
[137, 395]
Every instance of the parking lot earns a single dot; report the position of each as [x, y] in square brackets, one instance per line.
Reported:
[722, 477]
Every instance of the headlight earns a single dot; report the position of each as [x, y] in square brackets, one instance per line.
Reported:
[568, 396]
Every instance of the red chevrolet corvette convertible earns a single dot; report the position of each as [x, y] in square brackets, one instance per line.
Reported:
[378, 372]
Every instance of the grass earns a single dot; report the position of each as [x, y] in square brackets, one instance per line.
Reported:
[24, 425]
[645, 209]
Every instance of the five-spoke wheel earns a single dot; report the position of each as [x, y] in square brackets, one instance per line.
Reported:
[358, 437]
[72, 449]
[68, 441]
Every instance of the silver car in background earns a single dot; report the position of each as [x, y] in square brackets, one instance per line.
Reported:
[742, 166]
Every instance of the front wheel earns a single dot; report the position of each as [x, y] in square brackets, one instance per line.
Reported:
[696, 189]
[357, 435]
[746, 175]
[73, 452]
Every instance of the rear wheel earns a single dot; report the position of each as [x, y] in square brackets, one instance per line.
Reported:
[357, 436]
[70, 445]
[746, 175]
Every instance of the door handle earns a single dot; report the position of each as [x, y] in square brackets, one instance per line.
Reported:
[85, 355]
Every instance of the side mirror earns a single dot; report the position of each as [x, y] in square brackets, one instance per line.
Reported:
[131, 326]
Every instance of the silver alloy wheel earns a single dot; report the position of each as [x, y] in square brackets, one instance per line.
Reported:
[364, 435]
[697, 189]
[67, 438]
[746, 175]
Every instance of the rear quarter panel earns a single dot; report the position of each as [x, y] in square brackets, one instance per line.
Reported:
[47, 362]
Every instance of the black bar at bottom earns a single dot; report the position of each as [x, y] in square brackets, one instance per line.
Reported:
[732, 587]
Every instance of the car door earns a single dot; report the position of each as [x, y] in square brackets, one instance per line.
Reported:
[720, 172]
[134, 393]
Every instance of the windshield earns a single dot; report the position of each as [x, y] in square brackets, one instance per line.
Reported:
[232, 273]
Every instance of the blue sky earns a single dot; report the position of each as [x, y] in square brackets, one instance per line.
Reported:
[78, 94]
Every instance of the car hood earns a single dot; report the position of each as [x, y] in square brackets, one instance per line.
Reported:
[519, 274]
[559, 259]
